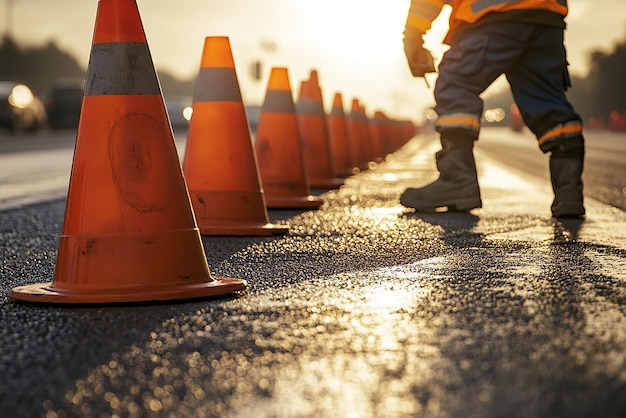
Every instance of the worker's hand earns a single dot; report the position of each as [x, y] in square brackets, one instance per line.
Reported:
[420, 60]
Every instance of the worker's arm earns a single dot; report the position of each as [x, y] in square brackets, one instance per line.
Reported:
[419, 20]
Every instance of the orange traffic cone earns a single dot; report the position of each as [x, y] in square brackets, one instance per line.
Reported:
[318, 158]
[339, 140]
[129, 233]
[368, 149]
[379, 128]
[279, 150]
[220, 165]
[359, 136]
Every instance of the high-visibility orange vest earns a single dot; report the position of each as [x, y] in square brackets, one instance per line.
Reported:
[472, 10]
[423, 12]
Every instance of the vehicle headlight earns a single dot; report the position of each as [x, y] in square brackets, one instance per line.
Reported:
[21, 96]
[494, 115]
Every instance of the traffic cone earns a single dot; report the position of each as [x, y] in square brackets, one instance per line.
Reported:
[358, 134]
[379, 135]
[318, 158]
[129, 233]
[219, 164]
[279, 150]
[368, 149]
[339, 140]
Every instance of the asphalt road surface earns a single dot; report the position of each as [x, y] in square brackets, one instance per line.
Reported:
[364, 309]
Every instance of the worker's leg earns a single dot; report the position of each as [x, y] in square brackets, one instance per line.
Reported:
[538, 83]
[473, 62]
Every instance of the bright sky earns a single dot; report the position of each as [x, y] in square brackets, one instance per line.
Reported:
[356, 45]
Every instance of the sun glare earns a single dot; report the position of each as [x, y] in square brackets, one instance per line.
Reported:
[355, 29]
[357, 47]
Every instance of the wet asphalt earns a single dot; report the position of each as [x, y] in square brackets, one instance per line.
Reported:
[365, 309]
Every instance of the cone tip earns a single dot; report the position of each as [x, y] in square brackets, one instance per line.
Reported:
[313, 78]
[118, 22]
[307, 90]
[338, 100]
[279, 79]
[217, 52]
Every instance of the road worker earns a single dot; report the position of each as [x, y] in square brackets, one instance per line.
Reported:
[522, 39]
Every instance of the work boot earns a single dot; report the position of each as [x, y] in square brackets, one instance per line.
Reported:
[566, 168]
[457, 185]
[568, 187]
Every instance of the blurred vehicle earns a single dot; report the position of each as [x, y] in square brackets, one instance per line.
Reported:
[179, 110]
[63, 104]
[20, 109]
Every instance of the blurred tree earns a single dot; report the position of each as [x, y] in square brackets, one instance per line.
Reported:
[605, 84]
[10, 59]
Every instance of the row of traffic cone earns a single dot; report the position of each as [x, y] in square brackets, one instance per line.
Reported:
[133, 220]
[292, 154]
